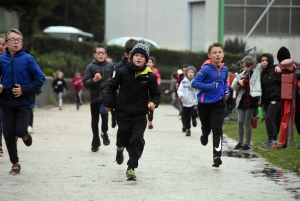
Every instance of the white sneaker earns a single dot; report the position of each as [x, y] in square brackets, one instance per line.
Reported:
[30, 130]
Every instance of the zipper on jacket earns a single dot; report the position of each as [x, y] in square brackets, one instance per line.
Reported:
[12, 71]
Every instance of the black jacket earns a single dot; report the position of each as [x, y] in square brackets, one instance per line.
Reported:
[97, 89]
[122, 63]
[270, 82]
[132, 100]
[60, 84]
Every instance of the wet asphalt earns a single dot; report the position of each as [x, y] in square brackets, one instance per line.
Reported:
[60, 166]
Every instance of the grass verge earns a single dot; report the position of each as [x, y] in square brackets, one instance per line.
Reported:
[286, 158]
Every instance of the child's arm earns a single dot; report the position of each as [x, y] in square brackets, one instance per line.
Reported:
[110, 95]
[158, 77]
[88, 79]
[38, 78]
[198, 81]
[180, 90]
[153, 90]
[225, 87]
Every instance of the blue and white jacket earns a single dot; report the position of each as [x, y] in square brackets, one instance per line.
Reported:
[206, 79]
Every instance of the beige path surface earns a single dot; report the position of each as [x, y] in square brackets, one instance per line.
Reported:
[60, 166]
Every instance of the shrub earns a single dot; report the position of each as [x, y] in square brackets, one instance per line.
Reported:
[69, 56]
[59, 60]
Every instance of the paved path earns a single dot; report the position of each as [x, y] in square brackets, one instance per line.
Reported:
[60, 166]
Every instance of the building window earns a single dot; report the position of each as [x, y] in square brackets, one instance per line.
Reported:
[282, 18]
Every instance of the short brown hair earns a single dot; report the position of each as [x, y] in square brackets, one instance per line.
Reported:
[13, 31]
[99, 46]
[215, 45]
[2, 36]
[248, 60]
[130, 44]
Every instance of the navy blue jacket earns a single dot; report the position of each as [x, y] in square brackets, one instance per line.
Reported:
[122, 63]
[22, 69]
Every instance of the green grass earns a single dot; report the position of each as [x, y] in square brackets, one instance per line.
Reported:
[286, 158]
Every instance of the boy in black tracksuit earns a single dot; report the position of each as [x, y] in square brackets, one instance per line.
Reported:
[96, 76]
[135, 80]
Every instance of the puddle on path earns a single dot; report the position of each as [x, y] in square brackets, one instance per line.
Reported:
[286, 179]
[239, 154]
[282, 178]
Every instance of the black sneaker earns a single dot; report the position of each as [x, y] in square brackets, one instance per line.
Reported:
[217, 162]
[27, 139]
[105, 138]
[113, 123]
[194, 122]
[238, 146]
[188, 133]
[15, 169]
[130, 174]
[94, 149]
[204, 139]
[183, 129]
[246, 147]
[120, 157]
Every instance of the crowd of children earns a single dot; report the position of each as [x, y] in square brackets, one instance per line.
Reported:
[130, 91]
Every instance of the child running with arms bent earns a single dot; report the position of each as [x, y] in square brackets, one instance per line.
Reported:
[135, 80]
[211, 81]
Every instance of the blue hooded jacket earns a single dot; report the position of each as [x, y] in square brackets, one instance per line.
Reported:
[22, 69]
[206, 79]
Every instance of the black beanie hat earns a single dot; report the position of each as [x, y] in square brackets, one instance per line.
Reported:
[282, 54]
[141, 48]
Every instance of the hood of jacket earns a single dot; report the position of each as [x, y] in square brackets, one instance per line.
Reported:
[270, 59]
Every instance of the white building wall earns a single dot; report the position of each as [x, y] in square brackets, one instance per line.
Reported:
[272, 44]
[158, 20]
[167, 23]
[211, 22]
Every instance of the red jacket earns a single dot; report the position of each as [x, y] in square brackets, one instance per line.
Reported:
[77, 82]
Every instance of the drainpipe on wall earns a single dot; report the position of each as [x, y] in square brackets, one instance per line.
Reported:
[221, 22]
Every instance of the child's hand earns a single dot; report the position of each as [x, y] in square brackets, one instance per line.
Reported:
[97, 77]
[226, 96]
[107, 109]
[151, 106]
[217, 84]
[17, 91]
[167, 91]
[241, 82]
[277, 69]
[1, 88]
[181, 96]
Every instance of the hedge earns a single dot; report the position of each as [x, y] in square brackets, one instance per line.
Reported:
[167, 60]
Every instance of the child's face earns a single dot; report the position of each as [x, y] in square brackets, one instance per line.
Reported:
[264, 62]
[100, 54]
[3, 45]
[216, 55]
[139, 59]
[14, 43]
[190, 74]
[60, 75]
[247, 68]
[150, 63]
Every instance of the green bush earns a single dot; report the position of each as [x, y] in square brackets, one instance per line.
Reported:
[59, 60]
[69, 56]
